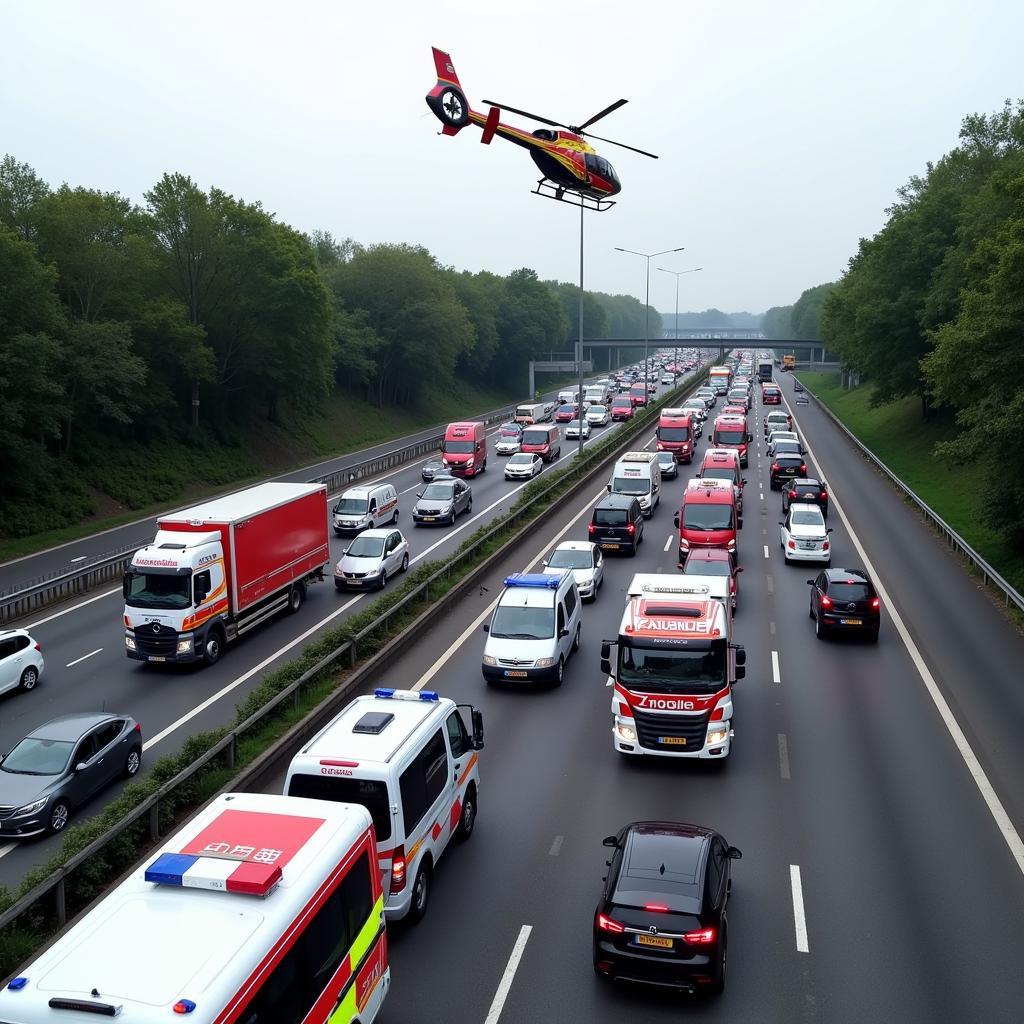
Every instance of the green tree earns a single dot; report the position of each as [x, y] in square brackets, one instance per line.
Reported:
[21, 189]
[778, 323]
[805, 318]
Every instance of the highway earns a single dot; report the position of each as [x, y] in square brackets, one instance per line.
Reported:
[86, 667]
[878, 881]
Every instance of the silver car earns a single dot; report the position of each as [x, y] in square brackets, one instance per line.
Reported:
[585, 560]
[574, 427]
[442, 500]
[60, 766]
[372, 559]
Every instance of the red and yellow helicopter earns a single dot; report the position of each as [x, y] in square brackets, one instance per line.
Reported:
[570, 165]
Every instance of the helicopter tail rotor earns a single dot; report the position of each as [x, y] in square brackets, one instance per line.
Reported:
[446, 99]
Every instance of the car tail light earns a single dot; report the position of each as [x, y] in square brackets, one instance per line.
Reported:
[875, 603]
[824, 546]
[775, 467]
[701, 937]
[39, 648]
[791, 544]
[138, 728]
[398, 870]
[591, 529]
[824, 495]
[656, 908]
[826, 601]
[631, 528]
[792, 494]
[803, 467]
[608, 924]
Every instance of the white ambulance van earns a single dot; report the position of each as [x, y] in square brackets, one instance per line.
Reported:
[638, 475]
[408, 758]
[261, 908]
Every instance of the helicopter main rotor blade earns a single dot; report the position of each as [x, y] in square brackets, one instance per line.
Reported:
[622, 145]
[604, 113]
[526, 113]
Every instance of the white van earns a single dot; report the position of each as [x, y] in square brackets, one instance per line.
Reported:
[408, 758]
[534, 629]
[638, 474]
[362, 508]
[567, 397]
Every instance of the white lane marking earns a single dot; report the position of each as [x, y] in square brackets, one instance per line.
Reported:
[213, 698]
[510, 972]
[668, 543]
[995, 806]
[771, 628]
[762, 495]
[73, 608]
[799, 920]
[770, 584]
[80, 558]
[413, 488]
[4, 850]
[776, 675]
[556, 846]
[765, 550]
[783, 756]
[77, 661]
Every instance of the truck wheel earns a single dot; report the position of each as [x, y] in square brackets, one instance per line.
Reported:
[420, 893]
[295, 598]
[213, 647]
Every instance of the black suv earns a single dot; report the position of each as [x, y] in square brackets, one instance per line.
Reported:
[661, 919]
[844, 601]
[786, 468]
[808, 491]
[617, 524]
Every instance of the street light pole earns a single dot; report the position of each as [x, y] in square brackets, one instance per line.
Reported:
[678, 274]
[579, 352]
[647, 299]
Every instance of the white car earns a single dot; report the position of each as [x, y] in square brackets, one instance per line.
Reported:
[597, 416]
[781, 435]
[803, 535]
[668, 465]
[575, 427]
[667, 378]
[585, 560]
[21, 660]
[509, 439]
[372, 559]
[523, 466]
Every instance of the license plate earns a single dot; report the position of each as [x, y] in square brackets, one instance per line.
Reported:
[852, 622]
[515, 673]
[156, 657]
[653, 940]
[428, 519]
[676, 741]
[807, 545]
[606, 544]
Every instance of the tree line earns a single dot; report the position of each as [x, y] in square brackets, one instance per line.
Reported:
[125, 323]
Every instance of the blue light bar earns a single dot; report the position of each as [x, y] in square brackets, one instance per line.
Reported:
[384, 691]
[540, 581]
[16, 984]
[169, 868]
[429, 695]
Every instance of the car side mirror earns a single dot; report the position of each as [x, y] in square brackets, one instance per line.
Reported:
[750, 437]
[739, 568]
[81, 766]
[743, 481]
[739, 522]
[544, 563]
[478, 729]
[741, 656]
[829, 530]
[419, 494]
[562, 633]
[487, 628]
[124, 586]
[611, 841]
[733, 854]
[608, 488]
[675, 519]
[810, 583]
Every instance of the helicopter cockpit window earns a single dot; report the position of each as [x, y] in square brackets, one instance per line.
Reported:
[598, 165]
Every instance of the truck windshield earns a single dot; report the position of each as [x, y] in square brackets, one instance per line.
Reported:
[535, 437]
[707, 517]
[523, 623]
[674, 433]
[643, 670]
[352, 505]
[458, 448]
[159, 590]
[631, 485]
[737, 436]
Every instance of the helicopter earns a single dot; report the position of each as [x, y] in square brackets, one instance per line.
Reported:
[572, 170]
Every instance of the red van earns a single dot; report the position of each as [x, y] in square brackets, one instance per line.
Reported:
[638, 394]
[622, 408]
[732, 432]
[464, 449]
[675, 434]
[542, 439]
[708, 517]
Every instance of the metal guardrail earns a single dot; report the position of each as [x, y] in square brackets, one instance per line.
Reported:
[345, 655]
[953, 539]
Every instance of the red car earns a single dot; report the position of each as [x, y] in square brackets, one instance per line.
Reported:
[715, 562]
[622, 408]
[771, 396]
[638, 394]
[567, 412]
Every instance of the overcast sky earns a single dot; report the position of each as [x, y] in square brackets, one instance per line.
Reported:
[783, 128]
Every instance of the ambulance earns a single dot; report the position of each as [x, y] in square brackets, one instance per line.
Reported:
[638, 475]
[673, 671]
[261, 908]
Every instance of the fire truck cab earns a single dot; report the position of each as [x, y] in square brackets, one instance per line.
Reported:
[673, 671]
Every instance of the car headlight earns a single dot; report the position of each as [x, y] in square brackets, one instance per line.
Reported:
[184, 646]
[718, 736]
[32, 808]
[544, 662]
[625, 732]
[488, 660]
[129, 642]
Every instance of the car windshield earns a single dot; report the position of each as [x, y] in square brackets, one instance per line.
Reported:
[159, 590]
[631, 485]
[849, 591]
[785, 459]
[706, 567]
[707, 517]
[731, 435]
[439, 490]
[458, 447]
[644, 670]
[366, 547]
[36, 756]
[352, 505]
[807, 519]
[674, 433]
[521, 460]
[621, 403]
[567, 558]
[729, 473]
[786, 448]
[518, 623]
[666, 460]
[573, 425]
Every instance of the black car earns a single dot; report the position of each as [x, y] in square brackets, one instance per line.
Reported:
[807, 490]
[844, 601]
[786, 467]
[442, 500]
[661, 919]
[617, 524]
[58, 766]
[434, 466]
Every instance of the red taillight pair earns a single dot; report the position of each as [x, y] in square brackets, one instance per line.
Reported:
[630, 528]
[608, 924]
[398, 870]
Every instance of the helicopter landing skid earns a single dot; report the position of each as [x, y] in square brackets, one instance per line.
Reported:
[549, 190]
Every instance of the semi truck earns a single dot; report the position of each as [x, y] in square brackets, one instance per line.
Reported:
[216, 570]
[765, 370]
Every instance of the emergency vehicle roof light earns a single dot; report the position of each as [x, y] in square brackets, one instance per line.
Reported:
[431, 695]
[384, 691]
[390, 693]
[533, 579]
[16, 984]
[220, 874]
[184, 1006]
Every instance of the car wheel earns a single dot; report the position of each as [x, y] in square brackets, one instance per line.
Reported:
[29, 678]
[717, 986]
[420, 894]
[469, 508]
[295, 598]
[576, 640]
[213, 647]
[405, 562]
[560, 671]
[451, 518]
[467, 819]
[819, 630]
[383, 580]
[394, 518]
[59, 815]
[133, 762]
[810, 610]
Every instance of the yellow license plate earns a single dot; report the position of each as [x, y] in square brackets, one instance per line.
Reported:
[607, 545]
[428, 519]
[653, 940]
[515, 673]
[852, 622]
[678, 741]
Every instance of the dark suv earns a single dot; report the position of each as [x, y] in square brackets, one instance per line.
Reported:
[785, 468]
[844, 601]
[617, 524]
[808, 491]
[661, 919]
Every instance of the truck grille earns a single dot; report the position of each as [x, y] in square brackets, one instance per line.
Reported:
[156, 641]
[692, 728]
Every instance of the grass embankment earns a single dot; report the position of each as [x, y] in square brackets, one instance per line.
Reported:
[906, 444]
[134, 481]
